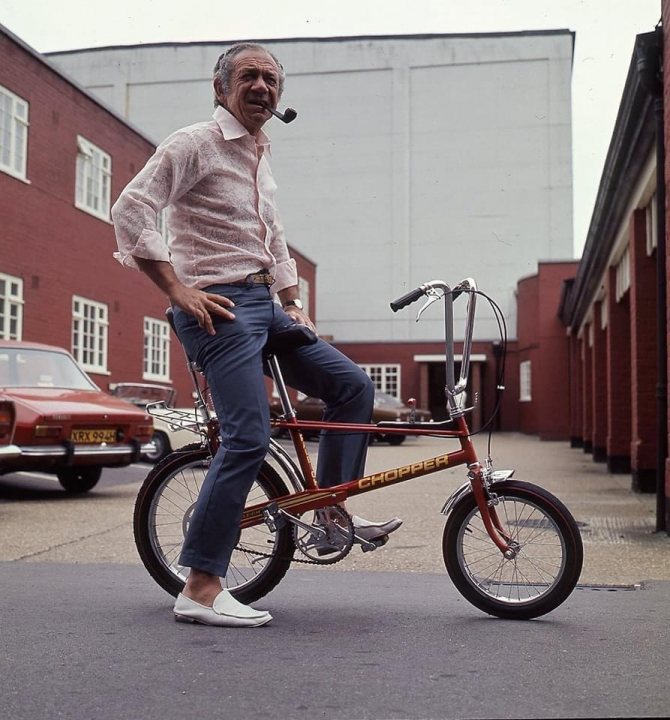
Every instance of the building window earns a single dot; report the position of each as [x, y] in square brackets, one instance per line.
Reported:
[651, 225]
[303, 291]
[93, 184]
[386, 378]
[604, 314]
[13, 134]
[89, 334]
[525, 381]
[622, 276]
[11, 307]
[156, 349]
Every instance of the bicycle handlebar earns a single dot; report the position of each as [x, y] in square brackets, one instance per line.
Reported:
[415, 294]
[407, 299]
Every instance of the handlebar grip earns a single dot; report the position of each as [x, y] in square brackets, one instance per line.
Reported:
[407, 299]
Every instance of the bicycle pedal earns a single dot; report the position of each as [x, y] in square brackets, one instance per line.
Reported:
[374, 544]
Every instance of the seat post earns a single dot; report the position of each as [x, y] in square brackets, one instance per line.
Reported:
[275, 371]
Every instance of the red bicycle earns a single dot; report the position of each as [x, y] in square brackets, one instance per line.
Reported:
[511, 548]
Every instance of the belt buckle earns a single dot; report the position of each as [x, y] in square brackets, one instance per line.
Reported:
[262, 278]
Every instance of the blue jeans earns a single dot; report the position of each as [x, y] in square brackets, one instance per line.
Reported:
[232, 361]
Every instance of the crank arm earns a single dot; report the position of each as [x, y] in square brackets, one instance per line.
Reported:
[316, 532]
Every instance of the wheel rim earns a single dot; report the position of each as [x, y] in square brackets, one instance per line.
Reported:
[160, 446]
[169, 515]
[536, 568]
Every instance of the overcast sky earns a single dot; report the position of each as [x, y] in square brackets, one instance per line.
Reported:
[605, 33]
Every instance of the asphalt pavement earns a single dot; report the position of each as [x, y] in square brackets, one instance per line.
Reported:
[87, 634]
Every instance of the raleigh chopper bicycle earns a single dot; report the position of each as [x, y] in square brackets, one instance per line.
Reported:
[511, 548]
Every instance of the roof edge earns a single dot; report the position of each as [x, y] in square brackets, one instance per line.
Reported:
[326, 39]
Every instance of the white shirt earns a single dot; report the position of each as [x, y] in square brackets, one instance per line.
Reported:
[223, 222]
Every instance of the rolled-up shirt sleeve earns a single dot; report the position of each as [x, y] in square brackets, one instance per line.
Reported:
[169, 173]
[286, 273]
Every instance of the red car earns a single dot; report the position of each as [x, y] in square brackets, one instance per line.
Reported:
[53, 418]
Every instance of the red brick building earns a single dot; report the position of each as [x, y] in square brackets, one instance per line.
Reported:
[542, 355]
[64, 159]
[615, 310]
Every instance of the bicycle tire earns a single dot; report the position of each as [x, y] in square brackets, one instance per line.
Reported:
[162, 510]
[546, 568]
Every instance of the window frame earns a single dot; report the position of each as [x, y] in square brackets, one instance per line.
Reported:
[156, 343]
[15, 122]
[98, 336]
[9, 301]
[87, 173]
[526, 381]
[387, 380]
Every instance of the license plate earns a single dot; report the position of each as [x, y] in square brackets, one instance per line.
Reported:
[93, 436]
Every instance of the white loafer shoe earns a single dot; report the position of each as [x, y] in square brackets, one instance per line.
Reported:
[225, 612]
[371, 531]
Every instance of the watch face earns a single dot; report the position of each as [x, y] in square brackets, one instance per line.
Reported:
[296, 303]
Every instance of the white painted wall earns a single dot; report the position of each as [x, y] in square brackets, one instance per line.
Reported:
[412, 158]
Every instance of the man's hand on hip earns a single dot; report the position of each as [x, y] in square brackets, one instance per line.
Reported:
[203, 306]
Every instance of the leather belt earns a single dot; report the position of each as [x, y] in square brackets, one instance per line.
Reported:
[263, 277]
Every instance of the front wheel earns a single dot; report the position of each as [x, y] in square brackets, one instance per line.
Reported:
[547, 562]
[163, 511]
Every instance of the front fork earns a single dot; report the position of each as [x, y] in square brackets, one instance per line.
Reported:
[480, 481]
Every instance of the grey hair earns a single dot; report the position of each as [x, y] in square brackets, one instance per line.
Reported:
[224, 66]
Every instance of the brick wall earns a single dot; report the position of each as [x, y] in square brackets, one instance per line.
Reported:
[618, 373]
[599, 387]
[643, 356]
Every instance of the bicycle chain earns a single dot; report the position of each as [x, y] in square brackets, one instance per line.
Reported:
[306, 561]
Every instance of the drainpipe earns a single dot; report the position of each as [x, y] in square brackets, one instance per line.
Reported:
[649, 51]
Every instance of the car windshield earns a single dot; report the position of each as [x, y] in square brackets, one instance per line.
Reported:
[32, 368]
[141, 395]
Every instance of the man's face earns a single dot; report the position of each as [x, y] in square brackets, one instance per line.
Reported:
[253, 81]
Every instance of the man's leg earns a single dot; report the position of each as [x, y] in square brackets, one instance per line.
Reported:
[232, 362]
[321, 371]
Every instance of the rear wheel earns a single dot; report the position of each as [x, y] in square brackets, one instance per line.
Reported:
[548, 559]
[162, 513]
[79, 479]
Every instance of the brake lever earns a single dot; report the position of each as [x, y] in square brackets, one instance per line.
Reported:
[434, 295]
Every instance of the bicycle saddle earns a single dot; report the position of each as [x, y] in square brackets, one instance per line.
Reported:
[289, 337]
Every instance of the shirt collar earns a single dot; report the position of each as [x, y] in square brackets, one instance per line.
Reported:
[232, 128]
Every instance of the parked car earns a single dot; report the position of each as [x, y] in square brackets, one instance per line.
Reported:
[61, 421]
[167, 436]
[386, 409]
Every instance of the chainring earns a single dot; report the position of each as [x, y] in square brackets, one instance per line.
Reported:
[339, 539]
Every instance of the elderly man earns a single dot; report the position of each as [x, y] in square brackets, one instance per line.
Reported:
[227, 258]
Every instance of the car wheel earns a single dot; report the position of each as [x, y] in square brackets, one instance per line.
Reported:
[162, 448]
[79, 480]
[395, 439]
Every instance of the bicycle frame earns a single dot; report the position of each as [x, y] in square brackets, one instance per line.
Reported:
[308, 496]
[479, 477]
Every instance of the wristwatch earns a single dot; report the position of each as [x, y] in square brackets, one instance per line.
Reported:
[295, 303]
